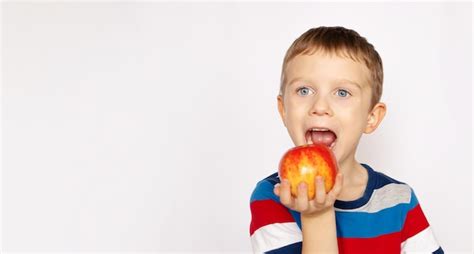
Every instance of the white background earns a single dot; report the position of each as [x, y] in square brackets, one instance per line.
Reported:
[145, 126]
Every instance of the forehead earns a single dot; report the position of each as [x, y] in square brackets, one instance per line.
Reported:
[322, 67]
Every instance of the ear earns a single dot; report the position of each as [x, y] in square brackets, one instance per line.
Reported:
[281, 108]
[375, 117]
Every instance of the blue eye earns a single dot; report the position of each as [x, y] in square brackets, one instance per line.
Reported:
[342, 93]
[304, 91]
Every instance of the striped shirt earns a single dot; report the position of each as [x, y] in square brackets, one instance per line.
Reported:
[386, 219]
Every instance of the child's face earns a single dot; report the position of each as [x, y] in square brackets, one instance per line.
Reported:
[328, 91]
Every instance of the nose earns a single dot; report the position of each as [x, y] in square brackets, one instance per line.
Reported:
[320, 107]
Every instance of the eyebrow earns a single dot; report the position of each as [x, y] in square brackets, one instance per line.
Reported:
[293, 81]
[343, 80]
[340, 80]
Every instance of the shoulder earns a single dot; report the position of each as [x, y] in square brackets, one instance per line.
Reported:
[273, 226]
[415, 231]
[265, 206]
[383, 179]
[264, 189]
[389, 188]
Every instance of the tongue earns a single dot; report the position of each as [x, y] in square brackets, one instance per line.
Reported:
[323, 137]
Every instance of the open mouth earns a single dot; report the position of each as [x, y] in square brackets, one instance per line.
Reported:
[322, 136]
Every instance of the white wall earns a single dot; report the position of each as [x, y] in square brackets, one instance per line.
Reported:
[145, 126]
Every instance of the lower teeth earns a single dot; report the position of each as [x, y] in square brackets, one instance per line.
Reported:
[310, 142]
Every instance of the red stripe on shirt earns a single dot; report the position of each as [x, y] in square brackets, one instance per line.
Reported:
[265, 212]
[415, 222]
[387, 244]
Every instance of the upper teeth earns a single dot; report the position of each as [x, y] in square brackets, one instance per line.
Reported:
[319, 129]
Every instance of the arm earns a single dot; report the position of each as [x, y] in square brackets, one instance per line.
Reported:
[273, 228]
[317, 216]
[417, 235]
[319, 232]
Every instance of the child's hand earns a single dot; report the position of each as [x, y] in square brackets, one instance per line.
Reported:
[321, 201]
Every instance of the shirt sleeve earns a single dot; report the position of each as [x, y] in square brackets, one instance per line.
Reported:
[272, 227]
[417, 235]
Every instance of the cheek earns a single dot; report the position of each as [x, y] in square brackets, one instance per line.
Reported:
[294, 121]
[297, 110]
[353, 119]
[353, 101]
[353, 106]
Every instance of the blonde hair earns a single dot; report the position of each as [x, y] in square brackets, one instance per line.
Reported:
[343, 42]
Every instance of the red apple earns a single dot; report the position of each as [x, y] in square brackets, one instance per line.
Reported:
[304, 163]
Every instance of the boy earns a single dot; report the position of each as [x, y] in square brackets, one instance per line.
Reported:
[330, 91]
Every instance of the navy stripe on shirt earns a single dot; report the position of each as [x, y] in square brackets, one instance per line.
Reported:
[288, 249]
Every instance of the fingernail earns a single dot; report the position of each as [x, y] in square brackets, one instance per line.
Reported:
[302, 186]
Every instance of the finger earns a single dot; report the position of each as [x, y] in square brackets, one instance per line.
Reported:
[337, 187]
[285, 193]
[302, 199]
[276, 189]
[320, 191]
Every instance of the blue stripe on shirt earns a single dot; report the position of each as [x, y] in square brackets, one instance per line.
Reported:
[264, 191]
[289, 249]
[363, 224]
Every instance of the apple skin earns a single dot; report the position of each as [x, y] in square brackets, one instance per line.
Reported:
[304, 163]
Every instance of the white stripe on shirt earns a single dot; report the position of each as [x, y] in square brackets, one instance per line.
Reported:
[423, 242]
[274, 236]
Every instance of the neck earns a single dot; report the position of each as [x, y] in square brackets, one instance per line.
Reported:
[354, 173]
